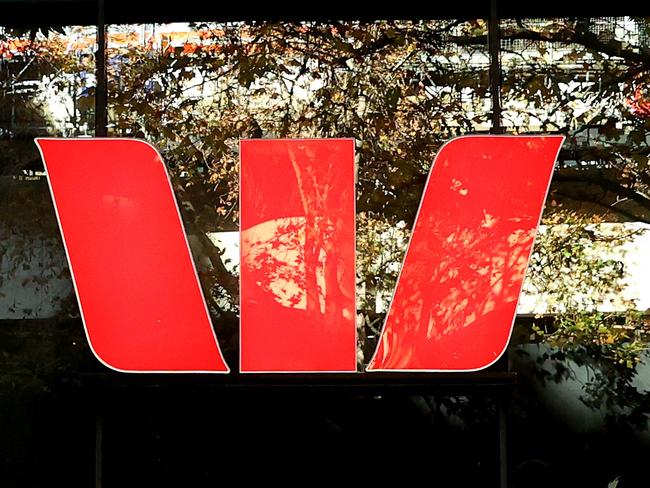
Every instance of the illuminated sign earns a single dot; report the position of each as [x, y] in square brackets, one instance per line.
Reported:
[453, 308]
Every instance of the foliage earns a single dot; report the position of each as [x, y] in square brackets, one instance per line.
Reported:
[400, 89]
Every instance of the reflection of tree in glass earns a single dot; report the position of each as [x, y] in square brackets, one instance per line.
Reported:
[274, 250]
[444, 303]
[295, 259]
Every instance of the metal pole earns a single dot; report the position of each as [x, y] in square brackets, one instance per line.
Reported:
[502, 411]
[494, 39]
[99, 443]
[101, 117]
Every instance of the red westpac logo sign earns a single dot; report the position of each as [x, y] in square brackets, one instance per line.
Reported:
[453, 307]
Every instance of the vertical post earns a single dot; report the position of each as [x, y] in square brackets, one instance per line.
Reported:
[494, 39]
[494, 48]
[101, 117]
[99, 441]
[75, 124]
[502, 412]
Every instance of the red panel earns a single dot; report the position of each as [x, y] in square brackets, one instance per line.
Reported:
[138, 291]
[297, 211]
[456, 297]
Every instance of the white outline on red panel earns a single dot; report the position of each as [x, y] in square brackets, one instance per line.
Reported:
[368, 369]
[354, 206]
[180, 221]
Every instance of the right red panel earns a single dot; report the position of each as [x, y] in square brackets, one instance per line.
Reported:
[456, 297]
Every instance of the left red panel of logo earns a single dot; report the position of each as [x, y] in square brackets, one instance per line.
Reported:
[138, 290]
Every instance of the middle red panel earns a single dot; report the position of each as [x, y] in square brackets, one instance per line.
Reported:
[297, 222]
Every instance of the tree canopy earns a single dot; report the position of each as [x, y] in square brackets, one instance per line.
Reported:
[400, 89]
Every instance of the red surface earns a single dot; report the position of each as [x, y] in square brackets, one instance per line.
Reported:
[456, 297]
[140, 298]
[297, 216]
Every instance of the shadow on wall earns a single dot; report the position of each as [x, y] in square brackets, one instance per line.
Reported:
[583, 396]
